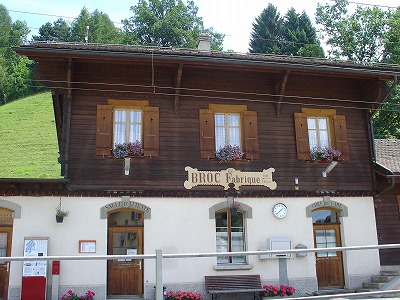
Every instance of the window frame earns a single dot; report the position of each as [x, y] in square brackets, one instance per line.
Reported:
[229, 237]
[319, 131]
[227, 128]
[248, 129]
[105, 126]
[128, 123]
[337, 132]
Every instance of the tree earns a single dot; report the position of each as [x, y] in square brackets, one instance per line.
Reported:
[367, 35]
[96, 27]
[392, 37]
[15, 70]
[266, 35]
[359, 36]
[167, 23]
[387, 120]
[292, 34]
[59, 31]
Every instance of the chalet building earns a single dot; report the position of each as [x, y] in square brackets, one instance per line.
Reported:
[387, 201]
[173, 193]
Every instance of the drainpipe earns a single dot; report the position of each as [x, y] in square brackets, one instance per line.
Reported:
[391, 176]
[392, 184]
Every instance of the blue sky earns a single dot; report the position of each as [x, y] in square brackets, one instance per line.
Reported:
[233, 18]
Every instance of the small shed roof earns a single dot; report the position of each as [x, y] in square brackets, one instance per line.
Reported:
[388, 154]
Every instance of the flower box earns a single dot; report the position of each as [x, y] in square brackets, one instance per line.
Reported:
[325, 154]
[229, 153]
[127, 149]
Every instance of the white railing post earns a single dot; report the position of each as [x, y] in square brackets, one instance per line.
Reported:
[159, 281]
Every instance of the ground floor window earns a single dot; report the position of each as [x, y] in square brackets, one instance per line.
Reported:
[230, 235]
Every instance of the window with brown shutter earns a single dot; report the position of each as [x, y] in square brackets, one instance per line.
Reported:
[248, 129]
[335, 129]
[149, 124]
[104, 130]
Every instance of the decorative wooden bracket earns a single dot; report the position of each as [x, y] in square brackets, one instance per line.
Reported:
[280, 92]
[178, 81]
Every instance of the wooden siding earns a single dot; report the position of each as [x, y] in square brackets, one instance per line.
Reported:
[179, 136]
[388, 221]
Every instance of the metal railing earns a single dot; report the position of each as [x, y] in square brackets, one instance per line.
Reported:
[159, 256]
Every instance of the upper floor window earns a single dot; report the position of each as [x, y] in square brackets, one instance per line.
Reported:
[222, 125]
[320, 128]
[127, 125]
[318, 132]
[227, 130]
[124, 121]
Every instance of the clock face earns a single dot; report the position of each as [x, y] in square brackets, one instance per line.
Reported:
[279, 210]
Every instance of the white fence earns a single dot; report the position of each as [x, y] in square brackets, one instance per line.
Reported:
[159, 257]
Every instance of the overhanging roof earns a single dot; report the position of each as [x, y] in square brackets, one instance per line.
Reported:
[46, 50]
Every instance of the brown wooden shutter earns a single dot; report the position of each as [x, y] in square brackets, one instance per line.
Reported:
[339, 123]
[250, 135]
[151, 131]
[302, 143]
[104, 130]
[207, 133]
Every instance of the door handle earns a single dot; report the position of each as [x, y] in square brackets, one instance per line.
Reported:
[140, 264]
[8, 266]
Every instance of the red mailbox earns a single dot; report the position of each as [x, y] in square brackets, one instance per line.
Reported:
[55, 270]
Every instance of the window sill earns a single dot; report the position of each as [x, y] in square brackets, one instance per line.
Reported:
[216, 160]
[320, 161]
[232, 267]
[121, 158]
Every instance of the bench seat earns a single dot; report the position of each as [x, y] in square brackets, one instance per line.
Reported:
[231, 284]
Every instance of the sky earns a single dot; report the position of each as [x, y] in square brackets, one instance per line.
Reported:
[233, 18]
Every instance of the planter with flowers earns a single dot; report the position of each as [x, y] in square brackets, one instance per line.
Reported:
[127, 149]
[70, 295]
[61, 214]
[179, 295]
[228, 153]
[325, 154]
[282, 291]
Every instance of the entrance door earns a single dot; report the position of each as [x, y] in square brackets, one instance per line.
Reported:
[5, 250]
[329, 264]
[125, 276]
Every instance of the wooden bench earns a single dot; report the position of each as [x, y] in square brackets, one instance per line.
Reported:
[233, 284]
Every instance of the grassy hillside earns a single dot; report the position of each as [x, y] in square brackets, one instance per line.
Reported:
[28, 139]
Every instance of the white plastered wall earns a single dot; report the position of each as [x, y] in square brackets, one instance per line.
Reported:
[183, 225]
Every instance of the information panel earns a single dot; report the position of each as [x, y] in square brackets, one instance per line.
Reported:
[33, 248]
[34, 273]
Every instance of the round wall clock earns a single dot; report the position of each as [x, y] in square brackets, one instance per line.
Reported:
[280, 210]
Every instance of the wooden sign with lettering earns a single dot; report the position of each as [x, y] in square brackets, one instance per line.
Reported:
[230, 175]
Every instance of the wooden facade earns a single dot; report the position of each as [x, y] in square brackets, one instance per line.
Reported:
[387, 211]
[387, 201]
[179, 86]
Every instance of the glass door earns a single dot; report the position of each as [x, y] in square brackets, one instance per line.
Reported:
[5, 250]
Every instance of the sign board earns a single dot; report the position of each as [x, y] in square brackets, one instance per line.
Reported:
[87, 246]
[230, 175]
[34, 273]
[32, 248]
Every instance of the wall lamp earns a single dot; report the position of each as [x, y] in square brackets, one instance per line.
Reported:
[329, 168]
[296, 184]
[127, 165]
[230, 197]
